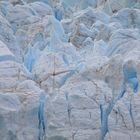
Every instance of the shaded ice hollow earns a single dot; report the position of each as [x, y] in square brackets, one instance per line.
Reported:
[69, 69]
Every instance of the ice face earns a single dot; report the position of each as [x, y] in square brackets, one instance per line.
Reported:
[69, 69]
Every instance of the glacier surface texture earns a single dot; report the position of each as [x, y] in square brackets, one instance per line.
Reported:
[69, 69]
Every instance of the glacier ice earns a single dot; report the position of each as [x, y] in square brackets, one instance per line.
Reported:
[30, 57]
[130, 76]
[69, 70]
[41, 117]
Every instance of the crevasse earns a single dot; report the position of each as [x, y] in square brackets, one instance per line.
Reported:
[41, 117]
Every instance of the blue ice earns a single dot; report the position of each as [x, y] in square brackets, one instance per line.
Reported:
[33, 52]
[104, 123]
[41, 117]
[134, 82]
[66, 77]
[105, 112]
[131, 115]
[130, 77]
[30, 57]
[122, 92]
[58, 14]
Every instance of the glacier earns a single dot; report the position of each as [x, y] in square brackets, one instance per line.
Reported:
[69, 69]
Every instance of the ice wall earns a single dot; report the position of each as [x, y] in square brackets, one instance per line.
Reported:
[69, 69]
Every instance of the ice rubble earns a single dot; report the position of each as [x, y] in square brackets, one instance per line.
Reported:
[69, 70]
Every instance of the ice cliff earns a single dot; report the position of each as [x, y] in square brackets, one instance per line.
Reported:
[69, 69]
